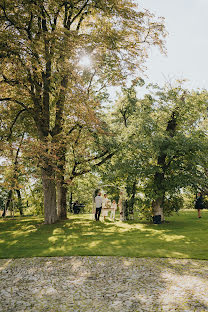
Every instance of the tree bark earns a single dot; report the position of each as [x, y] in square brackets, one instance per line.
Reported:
[61, 198]
[9, 200]
[132, 200]
[71, 199]
[49, 189]
[61, 185]
[19, 202]
[157, 208]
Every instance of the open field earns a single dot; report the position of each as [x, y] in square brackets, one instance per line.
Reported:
[183, 236]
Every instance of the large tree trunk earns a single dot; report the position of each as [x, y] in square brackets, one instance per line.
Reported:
[61, 198]
[157, 208]
[159, 179]
[49, 189]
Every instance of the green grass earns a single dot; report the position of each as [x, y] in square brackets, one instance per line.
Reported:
[183, 236]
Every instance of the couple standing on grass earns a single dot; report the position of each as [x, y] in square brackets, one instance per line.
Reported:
[104, 205]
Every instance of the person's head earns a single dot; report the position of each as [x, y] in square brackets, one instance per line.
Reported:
[105, 195]
[114, 201]
[99, 193]
[199, 194]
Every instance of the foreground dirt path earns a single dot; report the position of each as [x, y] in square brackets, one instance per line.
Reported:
[103, 284]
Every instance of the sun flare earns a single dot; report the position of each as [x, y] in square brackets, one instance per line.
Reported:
[85, 61]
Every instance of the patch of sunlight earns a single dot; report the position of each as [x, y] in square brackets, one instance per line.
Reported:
[89, 233]
[29, 228]
[76, 264]
[58, 231]
[80, 221]
[22, 232]
[116, 242]
[53, 239]
[34, 218]
[13, 242]
[5, 264]
[55, 249]
[182, 286]
[2, 241]
[174, 254]
[73, 236]
[126, 262]
[170, 238]
[93, 244]
[124, 227]
[107, 233]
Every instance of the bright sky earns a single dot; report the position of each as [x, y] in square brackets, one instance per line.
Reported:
[187, 42]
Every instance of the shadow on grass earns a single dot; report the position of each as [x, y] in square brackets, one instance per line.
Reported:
[184, 237]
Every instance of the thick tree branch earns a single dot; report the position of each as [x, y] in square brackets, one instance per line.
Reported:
[92, 158]
[76, 174]
[16, 101]
[60, 107]
[28, 28]
[81, 20]
[68, 20]
[74, 127]
[14, 121]
[7, 18]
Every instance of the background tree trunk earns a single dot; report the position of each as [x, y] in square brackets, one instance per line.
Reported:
[8, 203]
[157, 208]
[61, 185]
[159, 177]
[71, 199]
[61, 198]
[49, 189]
[132, 200]
[20, 206]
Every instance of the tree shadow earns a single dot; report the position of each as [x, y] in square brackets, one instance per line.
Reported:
[80, 235]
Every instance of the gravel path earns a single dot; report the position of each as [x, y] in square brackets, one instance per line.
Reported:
[111, 284]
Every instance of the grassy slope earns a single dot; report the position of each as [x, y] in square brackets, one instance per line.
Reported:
[184, 236]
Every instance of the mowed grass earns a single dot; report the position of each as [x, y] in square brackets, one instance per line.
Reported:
[183, 236]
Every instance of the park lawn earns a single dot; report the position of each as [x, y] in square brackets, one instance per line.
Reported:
[183, 236]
